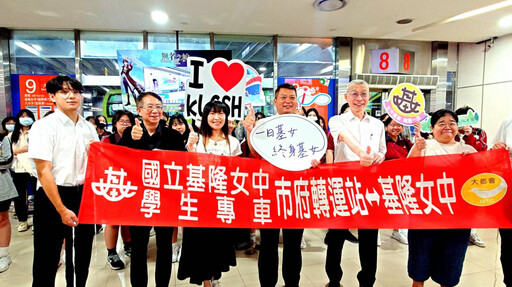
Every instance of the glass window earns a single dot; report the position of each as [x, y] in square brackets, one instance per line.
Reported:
[42, 52]
[258, 52]
[159, 41]
[194, 41]
[100, 70]
[305, 57]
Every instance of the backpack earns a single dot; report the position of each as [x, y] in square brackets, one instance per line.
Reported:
[4, 165]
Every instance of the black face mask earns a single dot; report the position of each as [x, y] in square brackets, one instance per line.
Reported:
[102, 126]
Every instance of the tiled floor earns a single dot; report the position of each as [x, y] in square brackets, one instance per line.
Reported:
[482, 267]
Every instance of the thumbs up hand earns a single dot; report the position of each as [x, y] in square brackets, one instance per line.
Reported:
[419, 141]
[137, 130]
[366, 157]
[249, 120]
[193, 138]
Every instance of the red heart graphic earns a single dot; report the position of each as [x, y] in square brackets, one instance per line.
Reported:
[227, 76]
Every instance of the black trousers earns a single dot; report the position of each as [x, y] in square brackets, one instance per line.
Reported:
[506, 255]
[49, 233]
[367, 256]
[139, 258]
[268, 260]
[21, 180]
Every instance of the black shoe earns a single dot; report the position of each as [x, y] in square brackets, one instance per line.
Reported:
[115, 262]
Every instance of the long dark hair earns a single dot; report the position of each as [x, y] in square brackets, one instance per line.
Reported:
[180, 119]
[118, 115]
[17, 128]
[205, 130]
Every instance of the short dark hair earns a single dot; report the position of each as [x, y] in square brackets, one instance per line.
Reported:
[464, 110]
[259, 115]
[386, 119]
[285, 86]
[55, 84]
[441, 113]
[147, 94]
[180, 119]
[117, 116]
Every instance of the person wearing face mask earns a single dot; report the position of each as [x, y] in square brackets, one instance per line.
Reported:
[101, 126]
[23, 173]
[8, 125]
[312, 114]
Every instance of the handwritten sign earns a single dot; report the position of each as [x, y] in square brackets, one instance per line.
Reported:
[289, 141]
[218, 80]
[406, 104]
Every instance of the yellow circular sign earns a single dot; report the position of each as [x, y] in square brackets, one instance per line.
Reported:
[484, 189]
[407, 100]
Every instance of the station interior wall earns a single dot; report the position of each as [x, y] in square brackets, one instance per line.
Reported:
[485, 81]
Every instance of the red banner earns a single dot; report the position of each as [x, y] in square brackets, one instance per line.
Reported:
[166, 188]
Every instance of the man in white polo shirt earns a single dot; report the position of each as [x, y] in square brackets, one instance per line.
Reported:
[366, 136]
[59, 144]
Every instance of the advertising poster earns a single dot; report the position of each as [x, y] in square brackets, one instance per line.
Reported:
[314, 93]
[165, 72]
[29, 92]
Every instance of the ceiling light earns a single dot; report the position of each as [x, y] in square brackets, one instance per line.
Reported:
[303, 47]
[262, 69]
[37, 47]
[404, 21]
[468, 14]
[27, 48]
[159, 17]
[505, 22]
[329, 5]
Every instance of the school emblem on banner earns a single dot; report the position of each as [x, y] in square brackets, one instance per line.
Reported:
[406, 104]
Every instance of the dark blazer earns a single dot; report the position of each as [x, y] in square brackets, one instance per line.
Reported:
[164, 138]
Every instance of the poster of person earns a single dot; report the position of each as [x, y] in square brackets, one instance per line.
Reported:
[314, 93]
[406, 104]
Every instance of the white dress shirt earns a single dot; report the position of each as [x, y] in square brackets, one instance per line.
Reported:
[366, 132]
[58, 139]
[504, 134]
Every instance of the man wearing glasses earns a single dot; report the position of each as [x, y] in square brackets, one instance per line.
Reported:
[59, 144]
[366, 137]
[150, 135]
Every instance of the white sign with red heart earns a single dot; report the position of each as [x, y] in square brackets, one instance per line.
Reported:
[221, 80]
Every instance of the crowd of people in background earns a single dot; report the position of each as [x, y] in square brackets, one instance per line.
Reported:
[53, 151]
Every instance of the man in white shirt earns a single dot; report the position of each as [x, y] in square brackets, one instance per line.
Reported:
[503, 139]
[358, 137]
[285, 101]
[59, 144]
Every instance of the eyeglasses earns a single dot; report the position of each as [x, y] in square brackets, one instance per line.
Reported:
[67, 94]
[151, 107]
[355, 95]
[123, 122]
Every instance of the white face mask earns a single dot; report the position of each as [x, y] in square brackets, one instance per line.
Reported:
[9, 127]
[313, 118]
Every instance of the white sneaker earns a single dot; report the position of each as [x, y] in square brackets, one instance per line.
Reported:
[175, 251]
[400, 237]
[473, 238]
[216, 283]
[303, 243]
[5, 262]
[23, 226]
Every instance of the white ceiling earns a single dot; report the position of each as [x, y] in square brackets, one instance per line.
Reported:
[358, 19]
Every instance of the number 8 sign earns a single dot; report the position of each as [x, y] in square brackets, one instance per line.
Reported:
[392, 61]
